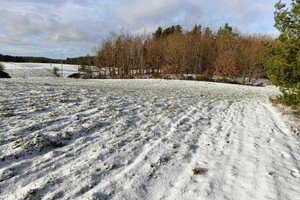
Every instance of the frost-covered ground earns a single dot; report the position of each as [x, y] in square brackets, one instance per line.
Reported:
[142, 139]
[25, 70]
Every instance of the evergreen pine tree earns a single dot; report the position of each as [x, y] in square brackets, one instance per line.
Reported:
[283, 62]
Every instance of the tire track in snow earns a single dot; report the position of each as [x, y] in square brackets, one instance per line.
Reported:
[211, 145]
[175, 135]
[186, 139]
[241, 142]
[284, 156]
[239, 165]
[150, 152]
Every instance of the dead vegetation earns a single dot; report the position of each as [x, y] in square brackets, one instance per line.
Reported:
[198, 171]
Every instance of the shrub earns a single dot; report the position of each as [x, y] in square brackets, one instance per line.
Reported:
[189, 78]
[55, 71]
[259, 85]
[202, 78]
[2, 73]
[222, 80]
[1, 67]
[289, 98]
[74, 75]
[226, 80]
[156, 75]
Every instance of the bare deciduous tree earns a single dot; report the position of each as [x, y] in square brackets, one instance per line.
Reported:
[174, 51]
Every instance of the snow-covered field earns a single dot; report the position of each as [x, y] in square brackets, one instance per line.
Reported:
[143, 139]
[25, 70]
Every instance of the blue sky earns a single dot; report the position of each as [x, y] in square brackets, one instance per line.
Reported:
[45, 27]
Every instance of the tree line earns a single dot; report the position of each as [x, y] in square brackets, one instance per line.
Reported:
[201, 51]
[31, 59]
[9, 58]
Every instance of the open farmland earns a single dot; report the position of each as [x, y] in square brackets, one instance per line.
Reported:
[26, 70]
[144, 139]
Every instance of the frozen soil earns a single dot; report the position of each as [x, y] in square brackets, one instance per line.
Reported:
[144, 139]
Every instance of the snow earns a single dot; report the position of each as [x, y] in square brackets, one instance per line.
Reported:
[26, 70]
[142, 139]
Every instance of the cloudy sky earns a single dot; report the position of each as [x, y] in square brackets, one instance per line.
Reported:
[45, 27]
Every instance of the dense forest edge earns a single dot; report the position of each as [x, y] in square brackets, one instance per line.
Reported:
[200, 54]
[172, 52]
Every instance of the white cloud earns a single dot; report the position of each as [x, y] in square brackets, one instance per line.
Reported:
[21, 25]
[82, 23]
[137, 13]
